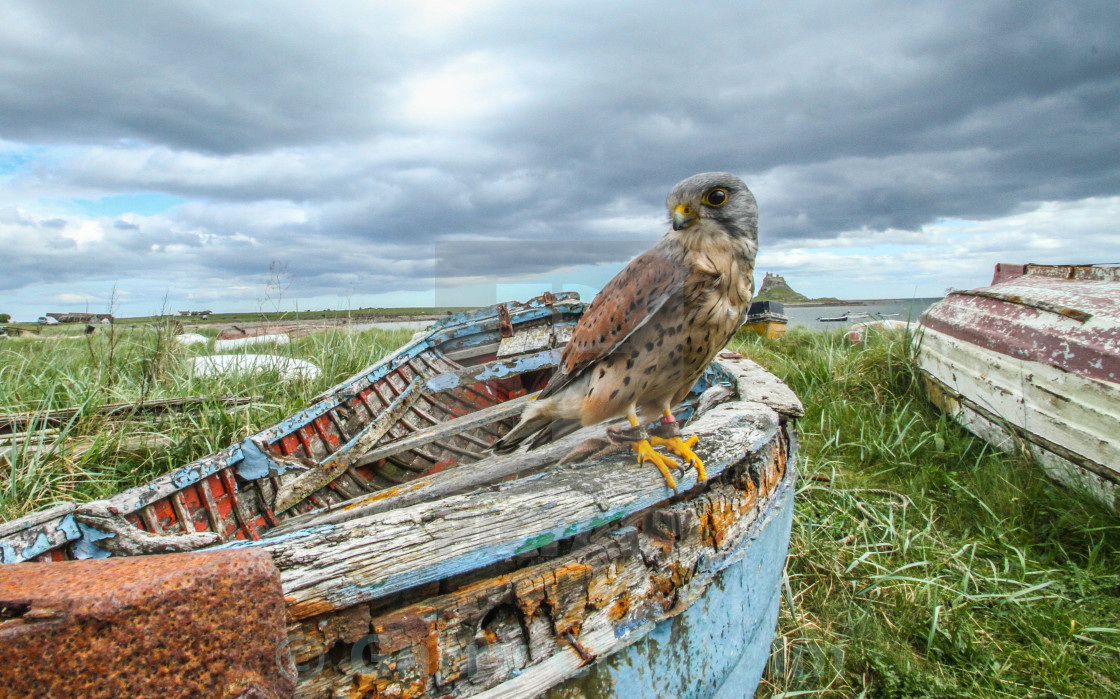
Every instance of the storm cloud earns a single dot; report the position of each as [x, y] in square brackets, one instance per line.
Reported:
[374, 148]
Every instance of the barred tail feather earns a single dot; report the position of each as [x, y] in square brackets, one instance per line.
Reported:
[555, 430]
[522, 431]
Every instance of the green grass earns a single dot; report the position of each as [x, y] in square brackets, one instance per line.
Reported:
[922, 563]
[94, 456]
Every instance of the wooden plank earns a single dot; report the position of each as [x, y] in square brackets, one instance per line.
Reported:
[328, 566]
[498, 369]
[752, 379]
[451, 427]
[348, 454]
[517, 632]
[181, 514]
[757, 384]
[527, 340]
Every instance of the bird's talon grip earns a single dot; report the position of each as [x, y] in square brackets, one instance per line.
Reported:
[666, 430]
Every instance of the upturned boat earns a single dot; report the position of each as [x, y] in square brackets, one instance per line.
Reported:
[1033, 362]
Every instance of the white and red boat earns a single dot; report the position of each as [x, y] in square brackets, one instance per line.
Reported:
[1033, 362]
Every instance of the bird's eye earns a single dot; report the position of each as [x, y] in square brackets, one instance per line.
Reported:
[716, 197]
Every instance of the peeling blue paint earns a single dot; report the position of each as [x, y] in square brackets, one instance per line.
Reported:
[86, 547]
[497, 370]
[728, 630]
[69, 526]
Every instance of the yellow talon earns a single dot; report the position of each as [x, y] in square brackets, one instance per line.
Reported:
[683, 449]
[646, 452]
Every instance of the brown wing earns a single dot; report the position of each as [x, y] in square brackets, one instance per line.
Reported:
[623, 305]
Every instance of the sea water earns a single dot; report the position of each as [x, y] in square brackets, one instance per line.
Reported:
[906, 310]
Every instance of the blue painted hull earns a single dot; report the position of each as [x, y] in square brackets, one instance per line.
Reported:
[719, 646]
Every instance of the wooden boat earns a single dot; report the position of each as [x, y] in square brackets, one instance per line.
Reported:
[766, 318]
[414, 563]
[1033, 362]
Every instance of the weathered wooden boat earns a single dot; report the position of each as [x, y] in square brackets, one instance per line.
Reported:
[766, 318]
[413, 563]
[1033, 362]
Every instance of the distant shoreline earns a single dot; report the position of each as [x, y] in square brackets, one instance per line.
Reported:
[855, 302]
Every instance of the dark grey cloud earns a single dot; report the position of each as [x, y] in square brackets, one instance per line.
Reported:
[348, 138]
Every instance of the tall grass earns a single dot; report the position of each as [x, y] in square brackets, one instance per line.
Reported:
[92, 455]
[922, 563]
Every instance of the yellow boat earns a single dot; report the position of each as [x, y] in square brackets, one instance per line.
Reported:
[767, 318]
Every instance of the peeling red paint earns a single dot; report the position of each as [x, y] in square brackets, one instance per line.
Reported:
[1067, 317]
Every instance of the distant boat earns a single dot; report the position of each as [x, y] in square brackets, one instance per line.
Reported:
[766, 318]
[856, 315]
[480, 575]
[848, 315]
[1033, 361]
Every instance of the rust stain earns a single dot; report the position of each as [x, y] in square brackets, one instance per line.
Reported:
[432, 646]
[176, 625]
[302, 610]
[721, 517]
[620, 607]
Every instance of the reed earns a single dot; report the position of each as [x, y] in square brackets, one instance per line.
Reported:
[922, 563]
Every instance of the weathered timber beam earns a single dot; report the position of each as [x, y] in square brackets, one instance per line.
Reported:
[348, 454]
[450, 428]
[754, 384]
[331, 566]
[757, 384]
[499, 369]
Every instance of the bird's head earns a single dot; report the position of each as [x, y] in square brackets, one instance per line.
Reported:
[719, 197]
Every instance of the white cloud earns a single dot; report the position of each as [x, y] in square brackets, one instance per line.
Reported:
[888, 145]
[958, 253]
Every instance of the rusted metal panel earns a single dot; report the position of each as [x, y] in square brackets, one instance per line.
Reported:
[179, 625]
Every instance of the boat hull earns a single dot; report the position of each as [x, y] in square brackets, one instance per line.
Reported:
[719, 646]
[766, 318]
[773, 329]
[1033, 363]
[440, 569]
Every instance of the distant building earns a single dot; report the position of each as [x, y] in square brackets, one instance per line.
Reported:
[204, 314]
[81, 317]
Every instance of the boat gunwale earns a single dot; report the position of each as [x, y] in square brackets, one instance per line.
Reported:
[37, 533]
[757, 423]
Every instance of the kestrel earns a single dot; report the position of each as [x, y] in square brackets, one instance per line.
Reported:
[653, 329]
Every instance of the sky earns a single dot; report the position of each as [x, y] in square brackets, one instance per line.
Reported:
[249, 156]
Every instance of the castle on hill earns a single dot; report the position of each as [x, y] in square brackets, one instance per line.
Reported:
[775, 288]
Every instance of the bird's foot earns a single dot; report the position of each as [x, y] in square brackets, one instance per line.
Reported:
[683, 449]
[646, 452]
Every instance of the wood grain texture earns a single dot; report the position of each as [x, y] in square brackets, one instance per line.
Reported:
[337, 565]
[514, 633]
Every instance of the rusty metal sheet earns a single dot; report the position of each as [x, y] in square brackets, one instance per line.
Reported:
[1067, 317]
[179, 625]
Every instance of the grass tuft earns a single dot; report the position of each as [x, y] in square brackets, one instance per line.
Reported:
[922, 563]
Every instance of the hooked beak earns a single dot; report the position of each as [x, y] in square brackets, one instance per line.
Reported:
[683, 217]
